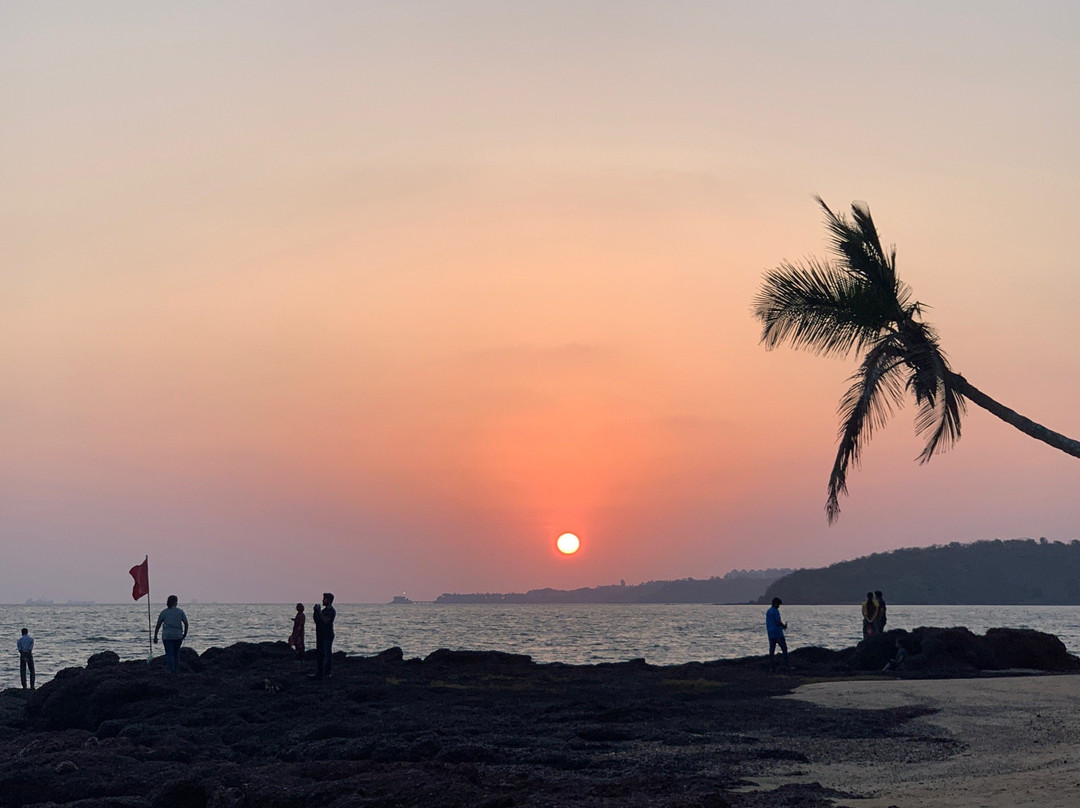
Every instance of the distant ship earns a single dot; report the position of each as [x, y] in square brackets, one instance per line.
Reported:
[38, 602]
[400, 600]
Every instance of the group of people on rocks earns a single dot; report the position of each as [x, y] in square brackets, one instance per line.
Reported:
[873, 614]
[173, 624]
[323, 614]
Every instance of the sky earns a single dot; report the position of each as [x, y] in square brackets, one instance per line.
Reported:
[380, 298]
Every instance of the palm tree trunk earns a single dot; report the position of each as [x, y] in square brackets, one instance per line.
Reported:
[1025, 425]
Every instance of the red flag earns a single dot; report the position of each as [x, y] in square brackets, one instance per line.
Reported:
[141, 574]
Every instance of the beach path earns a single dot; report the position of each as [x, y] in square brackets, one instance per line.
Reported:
[1020, 737]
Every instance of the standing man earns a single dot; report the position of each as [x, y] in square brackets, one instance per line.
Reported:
[26, 657]
[324, 634]
[775, 627]
[176, 628]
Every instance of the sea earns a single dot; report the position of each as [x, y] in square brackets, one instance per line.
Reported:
[662, 634]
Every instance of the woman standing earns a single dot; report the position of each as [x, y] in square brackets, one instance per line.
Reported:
[879, 617]
[869, 615]
[296, 639]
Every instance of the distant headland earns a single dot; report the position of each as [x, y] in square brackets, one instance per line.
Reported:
[1005, 572]
[737, 586]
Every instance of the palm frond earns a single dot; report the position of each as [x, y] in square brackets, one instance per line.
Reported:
[939, 420]
[858, 243]
[940, 404]
[815, 306]
[877, 389]
[924, 357]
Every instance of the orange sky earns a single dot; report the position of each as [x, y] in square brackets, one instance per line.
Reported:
[383, 298]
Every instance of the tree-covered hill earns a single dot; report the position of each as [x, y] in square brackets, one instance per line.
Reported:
[1018, 571]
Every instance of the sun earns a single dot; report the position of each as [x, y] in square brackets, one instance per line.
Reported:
[568, 543]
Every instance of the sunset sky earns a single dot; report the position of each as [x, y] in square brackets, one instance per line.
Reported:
[383, 297]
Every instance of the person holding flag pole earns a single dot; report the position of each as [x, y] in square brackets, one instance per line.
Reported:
[141, 574]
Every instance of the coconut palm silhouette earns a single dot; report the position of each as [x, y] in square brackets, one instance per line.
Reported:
[856, 303]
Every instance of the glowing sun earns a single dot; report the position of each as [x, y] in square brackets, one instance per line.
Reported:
[568, 543]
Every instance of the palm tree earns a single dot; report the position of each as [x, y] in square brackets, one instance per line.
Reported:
[857, 303]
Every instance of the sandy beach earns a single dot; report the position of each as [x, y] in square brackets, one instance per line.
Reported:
[1020, 744]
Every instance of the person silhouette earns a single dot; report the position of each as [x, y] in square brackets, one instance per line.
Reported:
[324, 635]
[296, 639]
[26, 657]
[869, 615]
[879, 615]
[174, 620]
[774, 626]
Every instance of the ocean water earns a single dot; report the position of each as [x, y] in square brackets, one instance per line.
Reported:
[664, 634]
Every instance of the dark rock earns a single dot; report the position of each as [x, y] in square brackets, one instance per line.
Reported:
[245, 654]
[959, 651]
[954, 649]
[425, 749]
[638, 663]
[186, 793]
[606, 733]
[87, 697]
[505, 801]
[394, 654]
[325, 731]
[225, 797]
[783, 754]
[873, 653]
[469, 753]
[189, 660]
[102, 659]
[459, 728]
[369, 694]
[1026, 648]
[444, 656]
[814, 655]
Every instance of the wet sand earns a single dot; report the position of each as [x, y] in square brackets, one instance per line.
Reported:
[1020, 740]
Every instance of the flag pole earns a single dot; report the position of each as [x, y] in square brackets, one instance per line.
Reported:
[149, 630]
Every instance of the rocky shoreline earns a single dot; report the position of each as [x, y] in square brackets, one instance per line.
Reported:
[245, 726]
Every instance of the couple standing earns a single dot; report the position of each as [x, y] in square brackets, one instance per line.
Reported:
[873, 614]
[324, 634]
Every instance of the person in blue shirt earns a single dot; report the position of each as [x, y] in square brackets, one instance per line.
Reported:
[775, 627]
[26, 657]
